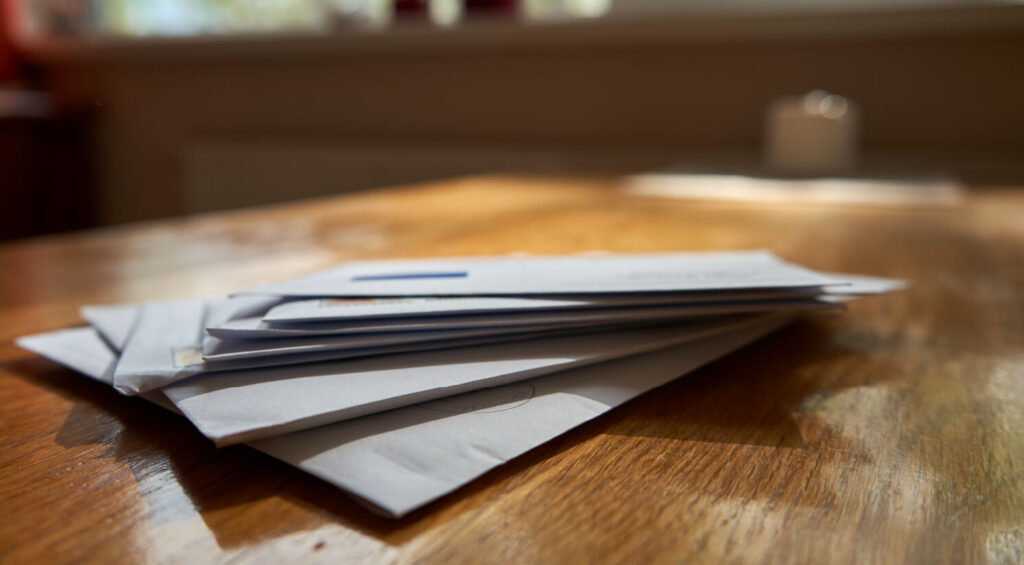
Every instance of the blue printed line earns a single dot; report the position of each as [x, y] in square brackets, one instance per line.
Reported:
[406, 276]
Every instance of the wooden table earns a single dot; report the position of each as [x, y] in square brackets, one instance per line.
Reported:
[893, 433]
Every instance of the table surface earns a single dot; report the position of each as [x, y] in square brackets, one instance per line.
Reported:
[891, 433]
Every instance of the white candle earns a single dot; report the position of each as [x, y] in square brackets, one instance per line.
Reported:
[814, 134]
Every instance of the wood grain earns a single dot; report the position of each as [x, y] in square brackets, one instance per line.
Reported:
[893, 433]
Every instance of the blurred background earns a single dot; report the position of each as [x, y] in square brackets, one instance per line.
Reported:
[115, 111]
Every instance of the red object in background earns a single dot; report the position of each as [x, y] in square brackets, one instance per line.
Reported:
[46, 175]
[7, 8]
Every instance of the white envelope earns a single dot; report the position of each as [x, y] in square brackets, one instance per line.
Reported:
[114, 323]
[558, 275]
[397, 461]
[253, 328]
[862, 285]
[165, 346]
[321, 309]
[234, 307]
[236, 406]
[82, 349]
[215, 349]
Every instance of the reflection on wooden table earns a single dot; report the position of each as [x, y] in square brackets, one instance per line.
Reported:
[892, 433]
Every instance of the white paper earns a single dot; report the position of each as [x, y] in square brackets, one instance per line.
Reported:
[863, 285]
[215, 349]
[234, 307]
[483, 276]
[166, 347]
[163, 340]
[114, 323]
[81, 349]
[400, 460]
[231, 407]
[250, 328]
[321, 309]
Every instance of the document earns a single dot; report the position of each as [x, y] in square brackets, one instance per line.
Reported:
[216, 349]
[231, 407]
[166, 346]
[167, 341]
[330, 309]
[554, 275]
[251, 328]
[402, 459]
[81, 349]
[114, 323]
[862, 285]
[399, 460]
[400, 381]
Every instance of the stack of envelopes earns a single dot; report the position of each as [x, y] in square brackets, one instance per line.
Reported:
[400, 381]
